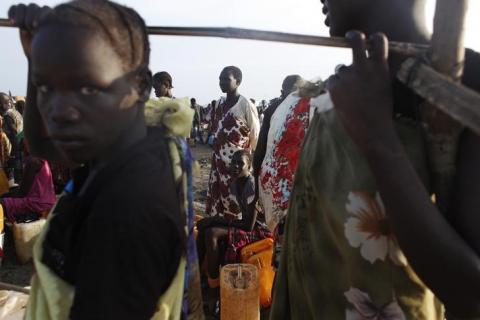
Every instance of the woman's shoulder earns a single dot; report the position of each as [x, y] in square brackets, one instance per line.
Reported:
[144, 182]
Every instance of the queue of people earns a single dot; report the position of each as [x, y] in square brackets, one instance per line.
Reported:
[336, 174]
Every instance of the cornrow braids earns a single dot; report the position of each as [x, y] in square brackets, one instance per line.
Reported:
[122, 27]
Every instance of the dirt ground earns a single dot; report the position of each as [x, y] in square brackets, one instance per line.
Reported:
[12, 272]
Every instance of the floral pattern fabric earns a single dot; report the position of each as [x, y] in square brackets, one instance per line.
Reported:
[276, 177]
[288, 127]
[238, 129]
[369, 230]
[365, 309]
[340, 258]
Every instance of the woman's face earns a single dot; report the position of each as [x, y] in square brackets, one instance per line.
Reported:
[227, 83]
[85, 97]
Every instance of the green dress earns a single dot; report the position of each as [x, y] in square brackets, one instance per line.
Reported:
[341, 259]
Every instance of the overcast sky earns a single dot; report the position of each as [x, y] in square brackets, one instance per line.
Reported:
[195, 63]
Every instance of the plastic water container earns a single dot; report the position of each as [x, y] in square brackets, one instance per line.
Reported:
[25, 235]
[239, 292]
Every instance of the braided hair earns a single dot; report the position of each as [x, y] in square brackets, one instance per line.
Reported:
[121, 26]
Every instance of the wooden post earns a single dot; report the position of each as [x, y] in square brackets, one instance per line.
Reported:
[441, 131]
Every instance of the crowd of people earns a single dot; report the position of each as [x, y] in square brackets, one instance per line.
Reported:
[335, 172]
[27, 190]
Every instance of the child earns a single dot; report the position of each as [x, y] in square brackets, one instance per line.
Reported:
[236, 233]
[114, 245]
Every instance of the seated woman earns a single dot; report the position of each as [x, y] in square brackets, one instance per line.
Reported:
[236, 233]
[35, 195]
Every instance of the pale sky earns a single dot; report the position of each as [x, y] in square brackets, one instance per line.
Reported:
[195, 63]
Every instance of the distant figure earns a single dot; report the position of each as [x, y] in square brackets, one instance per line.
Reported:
[195, 133]
[290, 84]
[162, 84]
[6, 146]
[36, 194]
[5, 151]
[212, 122]
[20, 106]
[12, 126]
[238, 128]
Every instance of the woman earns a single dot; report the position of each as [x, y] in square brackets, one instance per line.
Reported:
[288, 126]
[238, 129]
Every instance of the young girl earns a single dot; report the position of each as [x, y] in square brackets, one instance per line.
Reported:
[114, 246]
[236, 233]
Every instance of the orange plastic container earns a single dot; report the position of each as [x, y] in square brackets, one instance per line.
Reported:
[254, 248]
[260, 254]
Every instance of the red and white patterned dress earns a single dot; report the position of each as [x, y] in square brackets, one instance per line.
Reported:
[288, 127]
[238, 129]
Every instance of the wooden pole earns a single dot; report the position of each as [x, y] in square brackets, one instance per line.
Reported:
[409, 49]
[459, 102]
[441, 131]
[11, 287]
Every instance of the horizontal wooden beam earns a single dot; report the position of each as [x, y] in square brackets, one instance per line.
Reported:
[459, 102]
[409, 49]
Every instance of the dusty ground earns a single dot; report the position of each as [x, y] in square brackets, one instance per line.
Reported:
[11, 271]
[203, 155]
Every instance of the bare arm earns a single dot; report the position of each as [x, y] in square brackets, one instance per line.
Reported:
[248, 219]
[26, 18]
[261, 149]
[251, 115]
[444, 254]
[436, 250]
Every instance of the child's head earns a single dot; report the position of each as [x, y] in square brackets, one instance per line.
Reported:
[90, 65]
[162, 83]
[241, 164]
[5, 102]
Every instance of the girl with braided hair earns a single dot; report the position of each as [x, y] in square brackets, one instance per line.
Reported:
[114, 246]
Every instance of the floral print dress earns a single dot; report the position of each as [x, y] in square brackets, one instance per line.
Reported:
[288, 127]
[238, 129]
[340, 258]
